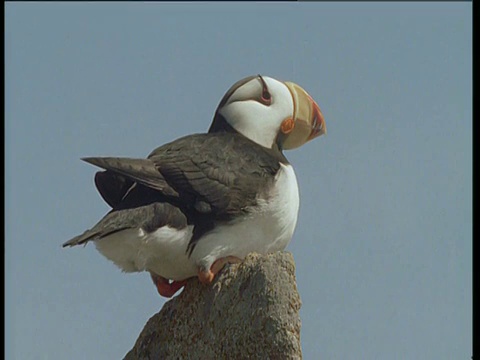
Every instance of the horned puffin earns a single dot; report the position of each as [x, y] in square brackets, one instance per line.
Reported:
[208, 199]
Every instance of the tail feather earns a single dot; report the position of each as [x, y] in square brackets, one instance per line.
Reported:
[148, 217]
[82, 239]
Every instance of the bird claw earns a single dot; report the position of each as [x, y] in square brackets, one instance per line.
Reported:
[207, 276]
[167, 289]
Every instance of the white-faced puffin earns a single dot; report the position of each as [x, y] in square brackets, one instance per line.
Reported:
[208, 199]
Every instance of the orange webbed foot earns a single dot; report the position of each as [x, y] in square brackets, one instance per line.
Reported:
[165, 287]
[207, 276]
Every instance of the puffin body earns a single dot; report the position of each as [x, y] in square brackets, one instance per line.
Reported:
[204, 200]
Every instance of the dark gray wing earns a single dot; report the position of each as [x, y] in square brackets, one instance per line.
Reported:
[113, 187]
[130, 182]
[220, 173]
[148, 217]
[142, 171]
[208, 177]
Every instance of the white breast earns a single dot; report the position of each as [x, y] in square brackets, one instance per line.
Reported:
[268, 228]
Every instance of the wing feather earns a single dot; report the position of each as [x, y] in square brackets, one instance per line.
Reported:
[199, 179]
[148, 217]
[142, 171]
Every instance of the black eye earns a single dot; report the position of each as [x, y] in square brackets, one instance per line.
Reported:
[266, 97]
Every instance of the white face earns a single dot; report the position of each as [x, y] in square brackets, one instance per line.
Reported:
[257, 110]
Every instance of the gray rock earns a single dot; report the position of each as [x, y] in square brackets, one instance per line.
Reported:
[251, 311]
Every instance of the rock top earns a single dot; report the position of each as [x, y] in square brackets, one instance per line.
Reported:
[251, 311]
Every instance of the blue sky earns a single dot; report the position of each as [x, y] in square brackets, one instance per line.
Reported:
[383, 245]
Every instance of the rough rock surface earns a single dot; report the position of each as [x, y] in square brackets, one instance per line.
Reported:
[251, 311]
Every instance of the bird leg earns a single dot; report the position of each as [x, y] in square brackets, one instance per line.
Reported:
[165, 287]
[207, 276]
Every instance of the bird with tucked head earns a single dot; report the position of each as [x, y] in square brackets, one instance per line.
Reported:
[205, 200]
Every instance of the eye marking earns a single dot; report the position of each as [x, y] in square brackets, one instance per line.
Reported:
[266, 97]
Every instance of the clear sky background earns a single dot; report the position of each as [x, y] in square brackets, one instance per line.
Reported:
[383, 245]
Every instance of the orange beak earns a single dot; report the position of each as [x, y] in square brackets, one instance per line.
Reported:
[308, 121]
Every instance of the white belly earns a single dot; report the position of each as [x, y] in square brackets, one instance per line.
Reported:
[267, 228]
[161, 252]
